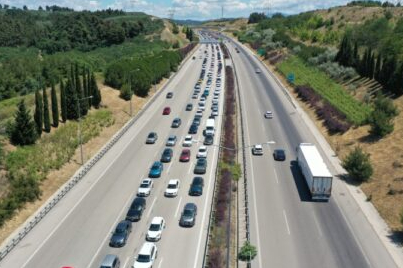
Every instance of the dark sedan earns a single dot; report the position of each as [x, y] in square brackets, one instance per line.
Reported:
[208, 140]
[136, 209]
[279, 155]
[193, 129]
[121, 233]
[166, 155]
[196, 188]
[188, 217]
[201, 166]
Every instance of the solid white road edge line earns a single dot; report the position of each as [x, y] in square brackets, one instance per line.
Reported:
[159, 265]
[79, 201]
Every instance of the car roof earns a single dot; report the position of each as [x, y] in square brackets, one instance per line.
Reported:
[173, 181]
[188, 136]
[172, 137]
[157, 220]
[190, 206]
[146, 248]
[108, 260]
[258, 146]
[139, 200]
[203, 147]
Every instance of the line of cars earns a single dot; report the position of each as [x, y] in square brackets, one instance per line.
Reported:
[148, 252]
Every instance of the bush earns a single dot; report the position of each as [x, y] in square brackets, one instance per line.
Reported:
[381, 124]
[248, 252]
[358, 165]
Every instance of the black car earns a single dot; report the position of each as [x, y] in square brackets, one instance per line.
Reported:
[170, 95]
[196, 188]
[193, 129]
[201, 166]
[208, 140]
[121, 233]
[166, 155]
[136, 209]
[188, 217]
[189, 107]
[176, 122]
[279, 155]
[196, 121]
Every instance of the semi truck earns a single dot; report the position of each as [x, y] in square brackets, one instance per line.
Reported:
[315, 171]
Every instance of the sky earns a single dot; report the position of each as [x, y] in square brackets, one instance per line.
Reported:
[189, 9]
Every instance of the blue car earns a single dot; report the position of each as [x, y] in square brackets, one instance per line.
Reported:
[156, 170]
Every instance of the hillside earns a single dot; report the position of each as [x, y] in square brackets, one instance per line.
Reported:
[341, 58]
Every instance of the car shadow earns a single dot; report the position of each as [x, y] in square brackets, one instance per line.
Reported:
[300, 183]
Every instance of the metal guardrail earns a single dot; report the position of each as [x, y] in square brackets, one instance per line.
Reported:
[40, 214]
[243, 158]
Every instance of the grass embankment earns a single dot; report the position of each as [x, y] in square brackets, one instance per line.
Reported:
[355, 111]
[27, 166]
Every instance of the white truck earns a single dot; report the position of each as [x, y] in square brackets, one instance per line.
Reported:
[315, 171]
[210, 126]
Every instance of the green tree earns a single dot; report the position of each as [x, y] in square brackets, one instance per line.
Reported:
[248, 252]
[378, 65]
[96, 93]
[38, 116]
[71, 101]
[23, 131]
[46, 116]
[381, 124]
[126, 92]
[358, 165]
[63, 101]
[80, 93]
[55, 107]
[175, 29]
[345, 53]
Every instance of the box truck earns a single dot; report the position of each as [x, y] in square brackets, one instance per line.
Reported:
[210, 127]
[315, 171]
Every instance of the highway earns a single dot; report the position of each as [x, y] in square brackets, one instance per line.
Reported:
[76, 232]
[288, 229]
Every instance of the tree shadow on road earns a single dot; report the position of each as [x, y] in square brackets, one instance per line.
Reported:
[396, 237]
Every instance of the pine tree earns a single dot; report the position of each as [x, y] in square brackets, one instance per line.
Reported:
[63, 103]
[358, 165]
[96, 94]
[38, 116]
[23, 130]
[46, 117]
[378, 67]
[345, 54]
[71, 101]
[55, 108]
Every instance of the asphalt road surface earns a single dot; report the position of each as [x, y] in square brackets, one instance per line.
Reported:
[288, 229]
[76, 232]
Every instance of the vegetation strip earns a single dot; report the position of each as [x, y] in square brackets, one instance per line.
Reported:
[229, 170]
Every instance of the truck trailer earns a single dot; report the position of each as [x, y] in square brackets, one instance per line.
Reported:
[315, 171]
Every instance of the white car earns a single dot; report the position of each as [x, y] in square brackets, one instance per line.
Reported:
[187, 142]
[154, 232]
[268, 114]
[195, 96]
[145, 187]
[146, 256]
[216, 97]
[199, 113]
[202, 153]
[215, 101]
[172, 188]
[257, 149]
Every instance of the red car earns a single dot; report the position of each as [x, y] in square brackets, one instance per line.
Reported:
[166, 111]
[185, 155]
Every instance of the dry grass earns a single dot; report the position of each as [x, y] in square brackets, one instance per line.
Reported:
[168, 36]
[56, 178]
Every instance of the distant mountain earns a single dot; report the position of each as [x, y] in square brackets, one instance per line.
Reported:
[189, 22]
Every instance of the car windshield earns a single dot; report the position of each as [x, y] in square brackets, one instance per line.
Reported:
[171, 186]
[143, 258]
[188, 212]
[171, 138]
[144, 185]
[155, 166]
[151, 135]
[154, 227]
[202, 150]
[120, 230]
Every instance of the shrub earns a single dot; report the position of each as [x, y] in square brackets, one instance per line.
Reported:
[248, 252]
[358, 165]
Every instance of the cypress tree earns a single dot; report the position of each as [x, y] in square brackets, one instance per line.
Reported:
[46, 117]
[378, 67]
[71, 101]
[80, 93]
[23, 130]
[356, 57]
[63, 103]
[85, 84]
[89, 88]
[368, 63]
[55, 108]
[96, 94]
[371, 66]
[38, 116]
